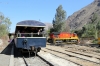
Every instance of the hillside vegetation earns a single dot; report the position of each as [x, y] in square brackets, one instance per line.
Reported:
[4, 29]
[4, 25]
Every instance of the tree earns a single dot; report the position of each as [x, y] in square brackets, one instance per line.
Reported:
[4, 25]
[91, 29]
[59, 23]
[98, 25]
[95, 23]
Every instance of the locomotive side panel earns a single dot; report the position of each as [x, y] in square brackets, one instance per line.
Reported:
[63, 37]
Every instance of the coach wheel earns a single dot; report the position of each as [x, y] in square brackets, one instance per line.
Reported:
[35, 51]
[38, 49]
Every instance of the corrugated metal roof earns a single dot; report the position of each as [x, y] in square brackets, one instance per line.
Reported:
[31, 23]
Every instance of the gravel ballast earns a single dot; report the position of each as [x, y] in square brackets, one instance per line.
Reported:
[56, 61]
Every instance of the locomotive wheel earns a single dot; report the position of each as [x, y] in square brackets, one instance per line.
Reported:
[50, 41]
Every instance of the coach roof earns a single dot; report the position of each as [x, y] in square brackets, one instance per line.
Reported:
[30, 23]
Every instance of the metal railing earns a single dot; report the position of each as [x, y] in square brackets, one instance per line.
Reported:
[31, 34]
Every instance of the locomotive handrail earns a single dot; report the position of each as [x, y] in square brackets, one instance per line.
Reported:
[41, 34]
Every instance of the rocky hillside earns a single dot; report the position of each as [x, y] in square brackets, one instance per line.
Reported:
[78, 19]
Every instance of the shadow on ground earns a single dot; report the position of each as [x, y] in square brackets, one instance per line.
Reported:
[7, 50]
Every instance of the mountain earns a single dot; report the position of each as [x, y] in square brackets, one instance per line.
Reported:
[78, 19]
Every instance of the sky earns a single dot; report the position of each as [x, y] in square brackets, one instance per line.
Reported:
[43, 10]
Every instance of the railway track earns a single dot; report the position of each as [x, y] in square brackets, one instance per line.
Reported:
[92, 50]
[32, 60]
[79, 58]
[36, 61]
[71, 54]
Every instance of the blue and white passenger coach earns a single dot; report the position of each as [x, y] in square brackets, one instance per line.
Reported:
[30, 36]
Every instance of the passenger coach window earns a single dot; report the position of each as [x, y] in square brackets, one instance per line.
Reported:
[30, 32]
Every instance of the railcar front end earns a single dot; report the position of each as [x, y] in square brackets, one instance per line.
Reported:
[31, 44]
[30, 36]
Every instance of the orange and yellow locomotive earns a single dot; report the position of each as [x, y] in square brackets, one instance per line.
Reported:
[63, 37]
